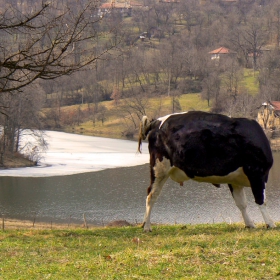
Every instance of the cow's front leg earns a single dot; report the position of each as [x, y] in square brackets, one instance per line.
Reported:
[151, 199]
[161, 174]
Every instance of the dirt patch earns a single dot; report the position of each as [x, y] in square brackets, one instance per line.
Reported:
[119, 223]
[16, 160]
[7, 224]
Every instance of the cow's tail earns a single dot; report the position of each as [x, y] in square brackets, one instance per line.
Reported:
[144, 128]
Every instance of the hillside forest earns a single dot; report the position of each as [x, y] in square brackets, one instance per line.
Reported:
[68, 62]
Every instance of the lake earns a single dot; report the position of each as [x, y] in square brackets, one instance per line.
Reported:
[119, 193]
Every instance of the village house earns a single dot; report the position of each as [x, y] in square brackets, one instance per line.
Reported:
[123, 8]
[169, 1]
[221, 52]
[269, 115]
[269, 119]
[220, 55]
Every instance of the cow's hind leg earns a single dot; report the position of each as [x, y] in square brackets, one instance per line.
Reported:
[161, 170]
[240, 199]
[258, 189]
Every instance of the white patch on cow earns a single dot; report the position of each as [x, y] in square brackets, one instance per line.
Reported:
[162, 168]
[236, 177]
[178, 175]
[163, 119]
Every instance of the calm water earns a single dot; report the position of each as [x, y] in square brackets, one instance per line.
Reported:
[119, 194]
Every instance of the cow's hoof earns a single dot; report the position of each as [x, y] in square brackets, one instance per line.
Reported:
[250, 226]
[146, 228]
[272, 225]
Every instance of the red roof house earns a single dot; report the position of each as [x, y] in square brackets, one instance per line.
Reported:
[217, 53]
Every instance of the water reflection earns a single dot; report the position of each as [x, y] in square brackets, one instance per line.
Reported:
[120, 194]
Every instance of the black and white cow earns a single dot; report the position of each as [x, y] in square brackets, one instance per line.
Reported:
[208, 148]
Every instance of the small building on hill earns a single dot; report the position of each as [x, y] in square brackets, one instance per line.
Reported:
[221, 53]
[269, 115]
[123, 8]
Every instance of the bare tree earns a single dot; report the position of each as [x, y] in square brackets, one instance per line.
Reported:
[132, 108]
[45, 42]
[249, 39]
[232, 76]
[19, 113]
[211, 87]
[171, 62]
[189, 11]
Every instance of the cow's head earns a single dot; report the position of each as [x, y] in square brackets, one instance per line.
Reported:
[143, 131]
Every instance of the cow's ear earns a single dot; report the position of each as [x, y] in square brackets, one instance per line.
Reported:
[146, 126]
[145, 122]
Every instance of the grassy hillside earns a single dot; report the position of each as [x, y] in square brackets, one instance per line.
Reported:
[118, 116]
[115, 122]
[250, 82]
[218, 251]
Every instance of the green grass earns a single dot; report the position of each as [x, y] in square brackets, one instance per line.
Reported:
[218, 251]
[114, 125]
[250, 82]
[193, 102]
